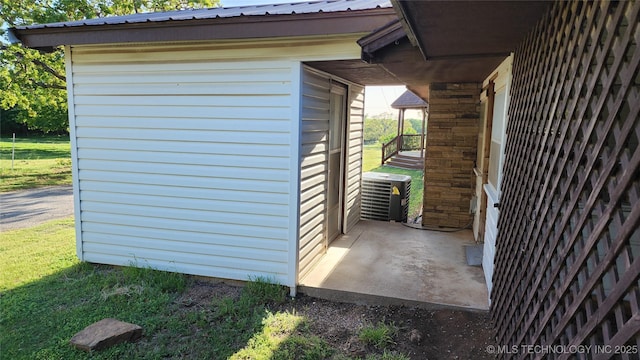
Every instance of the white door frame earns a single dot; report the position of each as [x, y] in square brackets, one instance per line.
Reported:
[340, 90]
[501, 79]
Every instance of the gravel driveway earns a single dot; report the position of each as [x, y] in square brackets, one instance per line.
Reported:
[26, 208]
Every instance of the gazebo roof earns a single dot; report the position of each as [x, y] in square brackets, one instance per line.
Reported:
[409, 100]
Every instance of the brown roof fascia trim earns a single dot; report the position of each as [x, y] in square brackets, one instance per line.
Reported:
[266, 26]
[469, 56]
[409, 27]
[381, 38]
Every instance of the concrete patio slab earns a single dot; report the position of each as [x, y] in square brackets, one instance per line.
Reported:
[391, 260]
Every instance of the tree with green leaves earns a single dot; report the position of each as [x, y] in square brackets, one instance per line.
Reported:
[33, 83]
[379, 127]
[383, 128]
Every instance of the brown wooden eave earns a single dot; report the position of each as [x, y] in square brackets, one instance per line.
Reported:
[247, 27]
[450, 41]
[469, 29]
[381, 38]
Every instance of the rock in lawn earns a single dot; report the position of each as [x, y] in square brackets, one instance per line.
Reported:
[105, 333]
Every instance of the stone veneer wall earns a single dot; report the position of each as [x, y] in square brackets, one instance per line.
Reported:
[452, 139]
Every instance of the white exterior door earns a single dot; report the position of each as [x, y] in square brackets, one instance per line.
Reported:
[502, 82]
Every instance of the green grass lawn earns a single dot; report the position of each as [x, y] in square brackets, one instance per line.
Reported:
[38, 161]
[47, 296]
[50, 246]
[371, 157]
[371, 162]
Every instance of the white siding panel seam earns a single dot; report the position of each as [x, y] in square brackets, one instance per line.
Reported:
[228, 172]
[187, 252]
[142, 222]
[266, 101]
[147, 193]
[170, 212]
[239, 207]
[176, 67]
[308, 247]
[195, 248]
[141, 118]
[187, 268]
[177, 236]
[188, 259]
[234, 137]
[239, 161]
[242, 189]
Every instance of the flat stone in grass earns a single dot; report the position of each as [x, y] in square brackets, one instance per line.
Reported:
[105, 333]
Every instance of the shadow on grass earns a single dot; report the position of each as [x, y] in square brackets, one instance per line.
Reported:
[35, 154]
[287, 337]
[36, 148]
[29, 180]
[46, 313]
[37, 177]
[41, 139]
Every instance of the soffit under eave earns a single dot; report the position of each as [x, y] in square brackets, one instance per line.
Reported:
[405, 62]
[468, 29]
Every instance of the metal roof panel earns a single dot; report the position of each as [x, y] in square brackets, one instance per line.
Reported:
[326, 6]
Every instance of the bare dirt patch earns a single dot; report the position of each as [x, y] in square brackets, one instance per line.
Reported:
[421, 334]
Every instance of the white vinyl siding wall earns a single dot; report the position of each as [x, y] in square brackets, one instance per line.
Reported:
[185, 163]
[354, 156]
[314, 168]
[316, 88]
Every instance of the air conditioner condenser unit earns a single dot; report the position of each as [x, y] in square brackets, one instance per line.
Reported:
[385, 197]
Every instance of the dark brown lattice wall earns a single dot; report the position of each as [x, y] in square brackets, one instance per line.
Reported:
[568, 254]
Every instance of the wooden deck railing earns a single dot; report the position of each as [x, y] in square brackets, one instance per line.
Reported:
[389, 149]
[404, 142]
[410, 142]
